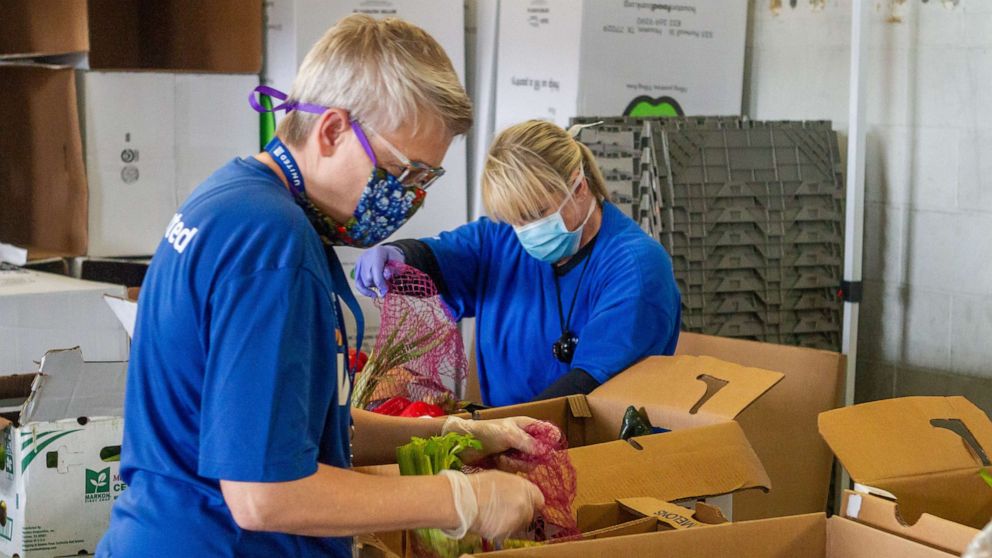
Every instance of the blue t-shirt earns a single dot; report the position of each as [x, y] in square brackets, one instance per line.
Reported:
[627, 306]
[234, 373]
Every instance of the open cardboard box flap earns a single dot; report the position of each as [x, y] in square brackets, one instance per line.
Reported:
[930, 530]
[693, 463]
[66, 387]
[682, 391]
[925, 451]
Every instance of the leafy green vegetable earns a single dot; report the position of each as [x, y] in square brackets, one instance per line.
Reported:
[432, 455]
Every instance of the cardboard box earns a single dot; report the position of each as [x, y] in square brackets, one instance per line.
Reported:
[676, 467]
[808, 536]
[930, 530]
[782, 424]
[613, 57]
[42, 181]
[42, 310]
[151, 138]
[923, 452]
[188, 35]
[61, 455]
[43, 28]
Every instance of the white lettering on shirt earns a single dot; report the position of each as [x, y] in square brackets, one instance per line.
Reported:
[178, 234]
[344, 382]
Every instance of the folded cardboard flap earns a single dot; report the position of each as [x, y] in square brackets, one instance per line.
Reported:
[43, 27]
[882, 514]
[673, 516]
[693, 463]
[681, 391]
[69, 387]
[43, 189]
[926, 451]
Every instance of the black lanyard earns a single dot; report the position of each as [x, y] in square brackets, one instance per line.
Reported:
[564, 348]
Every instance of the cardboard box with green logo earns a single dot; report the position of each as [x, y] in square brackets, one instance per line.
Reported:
[61, 451]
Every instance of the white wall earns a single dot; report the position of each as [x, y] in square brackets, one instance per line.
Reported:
[927, 314]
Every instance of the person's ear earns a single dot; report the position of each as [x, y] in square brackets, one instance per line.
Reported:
[584, 189]
[330, 130]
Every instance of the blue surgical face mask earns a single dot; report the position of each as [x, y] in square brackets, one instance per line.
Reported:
[548, 239]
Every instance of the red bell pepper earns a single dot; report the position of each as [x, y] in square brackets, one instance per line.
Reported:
[393, 407]
[420, 409]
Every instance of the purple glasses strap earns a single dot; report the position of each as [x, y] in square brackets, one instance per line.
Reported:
[364, 140]
[287, 106]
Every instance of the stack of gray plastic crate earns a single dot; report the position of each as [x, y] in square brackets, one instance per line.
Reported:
[752, 215]
[618, 144]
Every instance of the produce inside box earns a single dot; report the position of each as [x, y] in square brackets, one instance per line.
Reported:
[678, 466]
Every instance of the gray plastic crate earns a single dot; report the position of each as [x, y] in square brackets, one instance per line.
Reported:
[741, 302]
[750, 257]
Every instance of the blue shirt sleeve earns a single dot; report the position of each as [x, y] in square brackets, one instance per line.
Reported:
[461, 255]
[269, 367]
[634, 316]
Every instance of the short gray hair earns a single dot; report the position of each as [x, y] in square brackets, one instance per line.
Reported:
[386, 72]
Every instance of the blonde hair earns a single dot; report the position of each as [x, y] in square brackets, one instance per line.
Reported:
[386, 72]
[531, 166]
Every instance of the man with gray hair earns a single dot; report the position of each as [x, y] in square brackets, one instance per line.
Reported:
[237, 418]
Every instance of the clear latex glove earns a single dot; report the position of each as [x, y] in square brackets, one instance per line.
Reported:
[496, 435]
[492, 504]
[981, 547]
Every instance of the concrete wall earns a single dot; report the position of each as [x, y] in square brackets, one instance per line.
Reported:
[926, 322]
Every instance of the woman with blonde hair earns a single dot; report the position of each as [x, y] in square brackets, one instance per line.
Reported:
[566, 290]
[237, 419]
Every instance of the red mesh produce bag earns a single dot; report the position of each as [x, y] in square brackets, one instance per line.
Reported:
[550, 468]
[419, 346]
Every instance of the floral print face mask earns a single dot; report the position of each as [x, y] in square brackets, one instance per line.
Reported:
[384, 207]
